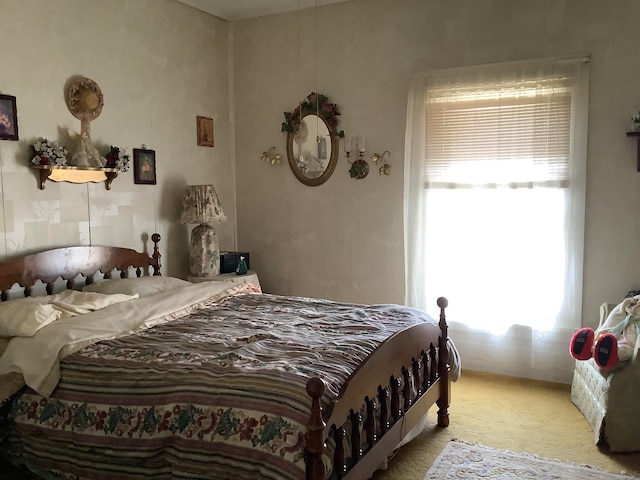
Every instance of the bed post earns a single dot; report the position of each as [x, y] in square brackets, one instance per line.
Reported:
[156, 254]
[315, 432]
[443, 367]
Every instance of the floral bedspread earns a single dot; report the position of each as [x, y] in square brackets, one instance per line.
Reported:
[218, 393]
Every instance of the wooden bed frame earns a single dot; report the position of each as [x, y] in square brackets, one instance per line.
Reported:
[381, 387]
[69, 262]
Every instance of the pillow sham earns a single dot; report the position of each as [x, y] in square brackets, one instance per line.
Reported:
[25, 316]
[4, 343]
[143, 286]
[73, 302]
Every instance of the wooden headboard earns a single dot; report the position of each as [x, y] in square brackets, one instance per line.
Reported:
[69, 262]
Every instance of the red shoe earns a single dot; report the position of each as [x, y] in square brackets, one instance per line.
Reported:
[581, 345]
[605, 352]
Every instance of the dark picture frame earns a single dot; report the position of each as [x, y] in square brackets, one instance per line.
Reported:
[8, 118]
[204, 129]
[144, 166]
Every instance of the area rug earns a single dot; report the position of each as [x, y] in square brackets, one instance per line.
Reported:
[461, 460]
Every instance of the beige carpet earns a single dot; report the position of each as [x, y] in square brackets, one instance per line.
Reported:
[511, 414]
[461, 461]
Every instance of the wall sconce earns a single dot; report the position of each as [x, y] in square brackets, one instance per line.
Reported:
[383, 162]
[271, 156]
[359, 167]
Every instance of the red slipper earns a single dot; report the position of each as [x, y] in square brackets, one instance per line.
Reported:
[605, 352]
[581, 345]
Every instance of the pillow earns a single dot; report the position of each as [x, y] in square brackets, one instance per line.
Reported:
[143, 286]
[25, 316]
[72, 302]
[4, 343]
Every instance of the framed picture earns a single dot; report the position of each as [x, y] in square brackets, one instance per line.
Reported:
[8, 118]
[144, 166]
[204, 127]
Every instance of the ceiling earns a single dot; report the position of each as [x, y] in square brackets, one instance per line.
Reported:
[242, 9]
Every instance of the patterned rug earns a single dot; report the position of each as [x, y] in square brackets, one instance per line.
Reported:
[461, 460]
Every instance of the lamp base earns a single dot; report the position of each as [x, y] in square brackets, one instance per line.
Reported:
[204, 254]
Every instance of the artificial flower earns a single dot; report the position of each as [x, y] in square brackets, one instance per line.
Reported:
[49, 153]
[117, 158]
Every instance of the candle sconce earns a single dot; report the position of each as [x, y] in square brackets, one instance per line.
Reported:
[359, 166]
[383, 162]
[271, 157]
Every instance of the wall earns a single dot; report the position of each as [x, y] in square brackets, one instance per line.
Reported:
[159, 64]
[344, 240]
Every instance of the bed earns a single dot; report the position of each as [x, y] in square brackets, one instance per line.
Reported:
[205, 380]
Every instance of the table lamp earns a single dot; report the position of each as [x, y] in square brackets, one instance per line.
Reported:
[202, 206]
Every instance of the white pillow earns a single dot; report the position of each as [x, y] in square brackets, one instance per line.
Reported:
[72, 302]
[143, 286]
[25, 316]
[4, 343]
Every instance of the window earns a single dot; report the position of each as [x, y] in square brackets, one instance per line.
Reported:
[494, 208]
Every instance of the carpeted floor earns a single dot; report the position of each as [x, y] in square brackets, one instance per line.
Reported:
[511, 414]
[461, 460]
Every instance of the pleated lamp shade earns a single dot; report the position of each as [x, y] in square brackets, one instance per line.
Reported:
[201, 205]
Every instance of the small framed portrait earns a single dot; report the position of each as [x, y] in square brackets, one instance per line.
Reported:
[204, 127]
[8, 118]
[144, 166]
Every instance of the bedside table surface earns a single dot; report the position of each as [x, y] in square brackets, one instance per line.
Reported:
[231, 278]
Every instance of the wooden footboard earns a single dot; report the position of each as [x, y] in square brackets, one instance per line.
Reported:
[394, 388]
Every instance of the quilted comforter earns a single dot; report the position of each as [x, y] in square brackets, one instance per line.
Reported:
[217, 391]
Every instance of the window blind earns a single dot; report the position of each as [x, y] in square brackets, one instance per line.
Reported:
[503, 133]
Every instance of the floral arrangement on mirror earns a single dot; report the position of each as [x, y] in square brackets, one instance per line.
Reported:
[315, 103]
[46, 152]
[118, 158]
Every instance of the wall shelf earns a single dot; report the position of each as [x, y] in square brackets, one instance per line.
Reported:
[636, 134]
[75, 175]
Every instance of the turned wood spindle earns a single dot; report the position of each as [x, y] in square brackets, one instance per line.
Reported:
[356, 435]
[370, 422]
[443, 367]
[417, 376]
[406, 389]
[396, 413]
[383, 396]
[426, 378]
[339, 460]
[433, 374]
[315, 432]
[155, 238]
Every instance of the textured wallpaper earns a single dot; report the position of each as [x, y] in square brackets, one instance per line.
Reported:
[344, 239]
[159, 64]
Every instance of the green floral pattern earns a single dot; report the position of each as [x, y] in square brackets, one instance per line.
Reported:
[237, 426]
[225, 384]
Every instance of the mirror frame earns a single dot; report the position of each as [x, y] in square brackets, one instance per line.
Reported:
[318, 105]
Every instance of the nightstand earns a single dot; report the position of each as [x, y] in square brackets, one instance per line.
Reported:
[230, 278]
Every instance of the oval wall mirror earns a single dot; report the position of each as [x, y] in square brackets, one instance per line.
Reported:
[312, 139]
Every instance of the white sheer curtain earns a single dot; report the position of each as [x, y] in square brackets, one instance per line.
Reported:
[495, 164]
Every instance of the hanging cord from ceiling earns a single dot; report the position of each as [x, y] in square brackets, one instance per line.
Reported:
[4, 213]
[315, 11]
